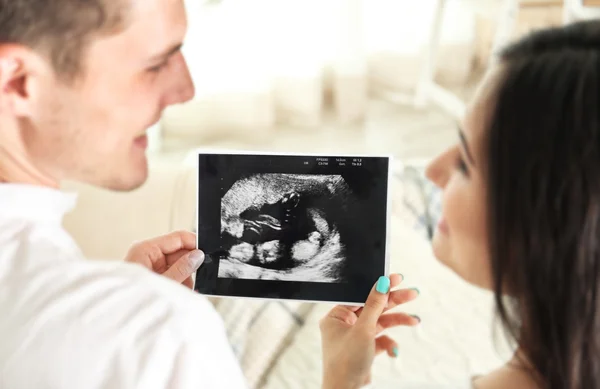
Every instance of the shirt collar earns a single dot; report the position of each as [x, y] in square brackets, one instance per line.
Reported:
[35, 202]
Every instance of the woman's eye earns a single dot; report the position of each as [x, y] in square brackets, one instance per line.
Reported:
[461, 165]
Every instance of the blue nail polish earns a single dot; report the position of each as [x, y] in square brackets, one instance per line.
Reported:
[395, 351]
[383, 284]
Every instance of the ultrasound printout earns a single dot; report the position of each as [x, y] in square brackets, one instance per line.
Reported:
[292, 226]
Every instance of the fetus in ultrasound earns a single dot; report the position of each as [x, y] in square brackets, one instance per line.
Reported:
[294, 235]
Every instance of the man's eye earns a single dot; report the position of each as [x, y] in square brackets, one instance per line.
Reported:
[157, 68]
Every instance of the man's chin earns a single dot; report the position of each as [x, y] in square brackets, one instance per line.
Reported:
[129, 183]
[125, 186]
[124, 179]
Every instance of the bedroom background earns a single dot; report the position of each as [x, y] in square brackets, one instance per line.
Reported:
[341, 76]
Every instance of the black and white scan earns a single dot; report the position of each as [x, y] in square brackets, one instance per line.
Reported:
[285, 227]
[292, 226]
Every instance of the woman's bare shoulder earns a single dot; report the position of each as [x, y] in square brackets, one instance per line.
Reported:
[505, 377]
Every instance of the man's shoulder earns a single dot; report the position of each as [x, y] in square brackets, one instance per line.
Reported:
[91, 317]
[121, 323]
[132, 302]
[122, 282]
[109, 295]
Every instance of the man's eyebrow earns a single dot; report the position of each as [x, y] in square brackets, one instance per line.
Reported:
[465, 145]
[167, 53]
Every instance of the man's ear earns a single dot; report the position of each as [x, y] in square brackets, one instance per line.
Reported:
[21, 72]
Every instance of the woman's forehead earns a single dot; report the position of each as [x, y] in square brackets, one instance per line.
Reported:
[478, 112]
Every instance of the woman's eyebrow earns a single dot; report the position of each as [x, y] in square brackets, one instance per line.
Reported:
[465, 145]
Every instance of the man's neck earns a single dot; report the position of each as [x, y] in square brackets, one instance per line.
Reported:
[15, 165]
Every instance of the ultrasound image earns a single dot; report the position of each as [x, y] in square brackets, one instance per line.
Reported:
[285, 227]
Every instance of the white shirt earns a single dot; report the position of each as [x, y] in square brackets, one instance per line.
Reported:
[67, 322]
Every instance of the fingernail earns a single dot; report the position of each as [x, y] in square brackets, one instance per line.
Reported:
[416, 290]
[383, 284]
[401, 276]
[197, 258]
[395, 351]
[416, 317]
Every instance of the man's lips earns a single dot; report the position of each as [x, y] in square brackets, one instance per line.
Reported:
[141, 141]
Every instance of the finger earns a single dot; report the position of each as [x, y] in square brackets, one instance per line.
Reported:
[396, 319]
[395, 280]
[170, 259]
[386, 344]
[185, 266]
[189, 282]
[160, 265]
[353, 308]
[401, 296]
[375, 303]
[172, 242]
[343, 314]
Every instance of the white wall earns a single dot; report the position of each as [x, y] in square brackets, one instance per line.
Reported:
[255, 62]
[241, 44]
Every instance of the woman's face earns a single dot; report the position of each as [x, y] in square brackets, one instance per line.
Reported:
[460, 240]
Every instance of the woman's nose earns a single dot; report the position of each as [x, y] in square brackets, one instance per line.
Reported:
[437, 170]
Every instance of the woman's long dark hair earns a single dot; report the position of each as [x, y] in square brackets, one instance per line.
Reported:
[543, 176]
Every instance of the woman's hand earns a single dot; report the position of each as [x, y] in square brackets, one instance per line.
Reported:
[351, 336]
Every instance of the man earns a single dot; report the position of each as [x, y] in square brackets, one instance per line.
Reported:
[80, 82]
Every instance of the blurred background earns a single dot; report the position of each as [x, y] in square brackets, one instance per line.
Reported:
[385, 76]
[331, 77]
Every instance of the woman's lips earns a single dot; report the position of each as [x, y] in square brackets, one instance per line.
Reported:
[442, 226]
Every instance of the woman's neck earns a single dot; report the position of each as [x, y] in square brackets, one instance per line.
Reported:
[516, 373]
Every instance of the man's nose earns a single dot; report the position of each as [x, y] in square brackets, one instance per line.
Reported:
[183, 89]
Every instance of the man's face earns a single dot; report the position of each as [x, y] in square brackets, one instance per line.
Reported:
[93, 131]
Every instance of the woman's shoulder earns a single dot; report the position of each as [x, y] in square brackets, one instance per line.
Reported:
[467, 383]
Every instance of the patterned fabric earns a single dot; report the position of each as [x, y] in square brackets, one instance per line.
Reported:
[260, 331]
[419, 201]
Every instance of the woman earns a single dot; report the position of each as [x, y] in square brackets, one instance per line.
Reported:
[521, 217]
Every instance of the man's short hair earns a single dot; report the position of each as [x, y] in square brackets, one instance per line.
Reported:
[60, 29]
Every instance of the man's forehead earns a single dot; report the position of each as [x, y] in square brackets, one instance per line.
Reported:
[153, 26]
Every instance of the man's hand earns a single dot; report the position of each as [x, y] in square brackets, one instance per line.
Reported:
[173, 255]
[351, 336]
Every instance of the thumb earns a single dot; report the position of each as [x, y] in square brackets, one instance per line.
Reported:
[185, 266]
[376, 303]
